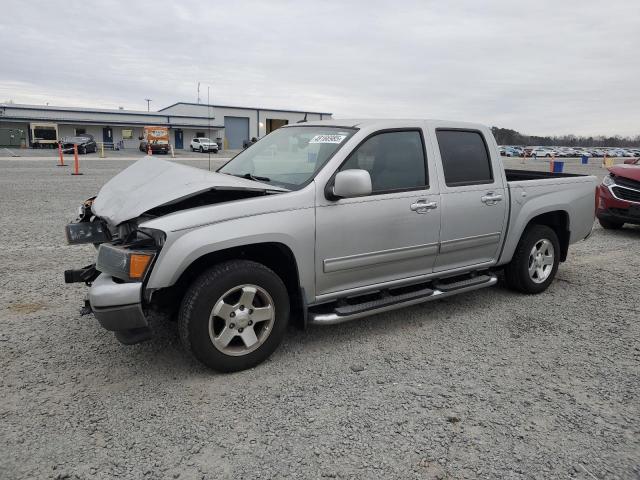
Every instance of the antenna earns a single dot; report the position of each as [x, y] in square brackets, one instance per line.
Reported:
[148, 100]
[198, 92]
[208, 124]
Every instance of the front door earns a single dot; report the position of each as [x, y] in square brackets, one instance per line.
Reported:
[474, 201]
[388, 235]
[107, 135]
[179, 139]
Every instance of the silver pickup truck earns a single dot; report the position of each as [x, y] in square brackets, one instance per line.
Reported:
[320, 223]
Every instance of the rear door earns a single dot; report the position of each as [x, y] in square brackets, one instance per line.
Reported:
[473, 198]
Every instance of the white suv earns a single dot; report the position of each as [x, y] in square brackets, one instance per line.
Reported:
[203, 144]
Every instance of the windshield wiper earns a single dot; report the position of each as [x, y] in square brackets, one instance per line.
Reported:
[248, 176]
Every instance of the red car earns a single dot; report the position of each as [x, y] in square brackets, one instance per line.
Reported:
[619, 197]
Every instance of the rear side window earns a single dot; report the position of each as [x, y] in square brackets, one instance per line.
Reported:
[465, 160]
[395, 160]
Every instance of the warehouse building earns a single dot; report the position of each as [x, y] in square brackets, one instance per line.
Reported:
[40, 126]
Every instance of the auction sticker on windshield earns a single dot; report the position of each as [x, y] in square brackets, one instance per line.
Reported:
[328, 139]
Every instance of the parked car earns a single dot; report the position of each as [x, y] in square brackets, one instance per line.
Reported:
[84, 142]
[202, 144]
[542, 152]
[511, 152]
[632, 161]
[619, 196]
[357, 219]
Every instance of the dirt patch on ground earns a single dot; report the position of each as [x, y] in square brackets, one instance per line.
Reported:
[25, 308]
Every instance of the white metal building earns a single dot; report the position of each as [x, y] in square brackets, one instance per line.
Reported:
[234, 125]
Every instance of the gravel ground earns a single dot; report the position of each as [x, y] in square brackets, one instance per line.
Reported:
[489, 384]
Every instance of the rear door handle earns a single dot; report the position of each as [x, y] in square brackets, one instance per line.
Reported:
[491, 198]
[422, 206]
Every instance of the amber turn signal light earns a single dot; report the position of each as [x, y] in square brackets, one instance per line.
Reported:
[138, 264]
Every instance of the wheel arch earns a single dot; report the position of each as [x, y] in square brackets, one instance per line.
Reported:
[274, 255]
[558, 221]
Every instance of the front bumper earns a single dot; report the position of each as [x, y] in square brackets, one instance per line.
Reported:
[615, 209]
[117, 306]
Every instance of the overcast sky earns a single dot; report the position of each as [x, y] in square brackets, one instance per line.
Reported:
[543, 67]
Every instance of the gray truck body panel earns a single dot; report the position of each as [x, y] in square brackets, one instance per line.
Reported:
[347, 246]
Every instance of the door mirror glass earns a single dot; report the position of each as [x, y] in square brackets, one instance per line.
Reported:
[352, 183]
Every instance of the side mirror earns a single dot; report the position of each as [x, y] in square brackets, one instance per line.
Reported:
[352, 183]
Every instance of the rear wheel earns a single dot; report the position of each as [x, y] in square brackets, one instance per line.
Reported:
[610, 224]
[234, 315]
[535, 261]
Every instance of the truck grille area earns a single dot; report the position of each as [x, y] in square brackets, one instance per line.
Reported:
[627, 194]
[627, 182]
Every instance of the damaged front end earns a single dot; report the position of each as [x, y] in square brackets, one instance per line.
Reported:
[113, 222]
[125, 256]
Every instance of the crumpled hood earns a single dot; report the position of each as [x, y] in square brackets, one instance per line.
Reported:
[627, 171]
[151, 183]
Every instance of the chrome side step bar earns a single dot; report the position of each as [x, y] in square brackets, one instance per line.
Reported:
[344, 314]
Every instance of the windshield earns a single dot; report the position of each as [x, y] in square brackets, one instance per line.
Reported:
[289, 156]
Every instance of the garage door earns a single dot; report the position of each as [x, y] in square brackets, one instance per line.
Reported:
[236, 130]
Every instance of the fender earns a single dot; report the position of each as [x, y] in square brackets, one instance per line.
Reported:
[293, 228]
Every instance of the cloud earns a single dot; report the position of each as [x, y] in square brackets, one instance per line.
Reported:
[541, 68]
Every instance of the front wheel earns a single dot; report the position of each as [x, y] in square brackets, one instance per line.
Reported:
[201, 149]
[535, 261]
[234, 315]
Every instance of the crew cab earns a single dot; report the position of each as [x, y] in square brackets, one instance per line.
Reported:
[320, 223]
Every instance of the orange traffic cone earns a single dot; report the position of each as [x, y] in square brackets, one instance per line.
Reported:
[76, 162]
[553, 160]
[61, 162]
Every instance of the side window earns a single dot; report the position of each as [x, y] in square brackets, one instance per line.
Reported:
[395, 161]
[195, 140]
[465, 160]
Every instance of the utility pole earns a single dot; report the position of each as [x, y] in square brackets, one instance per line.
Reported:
[148, 100]
[198, 92]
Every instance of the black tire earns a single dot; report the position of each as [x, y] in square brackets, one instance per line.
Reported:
[201, 297]
[83, 150]
[516, 273]
[201, 149]
[610, 224]
[192, 149]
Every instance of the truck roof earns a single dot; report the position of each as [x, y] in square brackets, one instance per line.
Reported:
[387, 122]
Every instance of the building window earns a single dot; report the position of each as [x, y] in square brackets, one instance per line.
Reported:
[200, 135]
[80, 131]
[127, 134]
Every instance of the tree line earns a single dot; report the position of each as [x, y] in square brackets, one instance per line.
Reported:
[506, 136]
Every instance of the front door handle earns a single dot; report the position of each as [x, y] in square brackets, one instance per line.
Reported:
[422, 206]
[491, 198]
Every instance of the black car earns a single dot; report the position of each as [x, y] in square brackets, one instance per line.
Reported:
[85, 143]
[156, 146]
